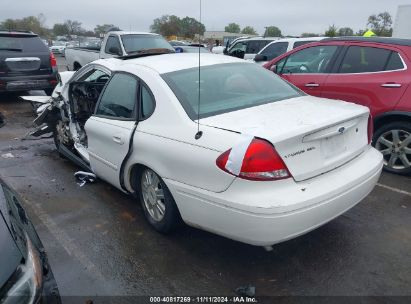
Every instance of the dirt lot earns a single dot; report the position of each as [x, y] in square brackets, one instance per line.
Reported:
[99, 243]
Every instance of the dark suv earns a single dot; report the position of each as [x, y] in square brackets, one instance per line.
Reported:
[374, 72]
[26, 63]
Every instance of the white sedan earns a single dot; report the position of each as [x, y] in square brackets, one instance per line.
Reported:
[270, 163]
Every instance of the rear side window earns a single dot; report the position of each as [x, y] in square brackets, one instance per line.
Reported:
[360, 59]
[275, 50]
[395, 62]
[147, 103]
[119, 97]
[255, 46]
[112, 45]
[22, 44]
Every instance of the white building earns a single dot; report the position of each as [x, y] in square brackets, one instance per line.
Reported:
[402, 23]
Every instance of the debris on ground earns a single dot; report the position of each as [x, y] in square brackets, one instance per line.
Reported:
[7, 155]
[246, 291]
[84, 178]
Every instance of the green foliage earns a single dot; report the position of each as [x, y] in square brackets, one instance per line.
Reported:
[74, 27]
[169, 25]
[272, 31]
[249, 30]
[345, 31]
[189, 27]
[381, 24]
[60, 29]
[332, 31]
[102, 29]
[30, 23]
[306, 35]
[233, 28]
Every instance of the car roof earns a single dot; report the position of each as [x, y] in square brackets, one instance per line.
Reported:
[131, 33]
[168, 63]
[384, 40]
[17, 33]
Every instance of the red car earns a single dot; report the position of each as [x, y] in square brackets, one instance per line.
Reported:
[374, 72]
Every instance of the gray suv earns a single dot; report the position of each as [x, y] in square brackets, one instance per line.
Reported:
[26, 63]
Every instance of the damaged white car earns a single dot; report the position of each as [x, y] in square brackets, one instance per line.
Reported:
[238, 152]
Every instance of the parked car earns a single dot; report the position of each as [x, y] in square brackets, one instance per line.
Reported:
[190, 49]
[247, 48]
[58, 47]
[25, 274]
[373, 72]
[269, 163]
[281, 46]
[26, 63]
[115, 44]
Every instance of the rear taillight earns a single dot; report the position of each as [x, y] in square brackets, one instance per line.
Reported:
[53, 61]
[261, 162]
[370, 130]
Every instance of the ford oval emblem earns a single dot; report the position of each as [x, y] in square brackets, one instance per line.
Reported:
[341, 130]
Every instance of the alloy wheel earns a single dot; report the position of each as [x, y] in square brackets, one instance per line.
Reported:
[395, 146]
[153, 195]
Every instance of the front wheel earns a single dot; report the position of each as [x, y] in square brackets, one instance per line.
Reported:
[393, 140]
[158, 204]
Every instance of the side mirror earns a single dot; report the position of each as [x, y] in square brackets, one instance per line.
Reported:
[260, 58]
[273, 68]
[115, 50]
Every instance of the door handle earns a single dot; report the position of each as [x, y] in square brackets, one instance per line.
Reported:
[117, 139]
[312, 85]
[391, 85]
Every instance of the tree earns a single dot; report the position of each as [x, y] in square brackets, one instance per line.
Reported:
[189, 27]
[74, 27]
[102, 29]
[332, 31]
[233, 28]
[306, 35]
[381, 24]
[30, 23]
[60, 29]
[345, 31]
[249, 30]
[166, 25]
[272, 31]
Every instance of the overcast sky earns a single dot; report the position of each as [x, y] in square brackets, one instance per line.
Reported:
[293, 17]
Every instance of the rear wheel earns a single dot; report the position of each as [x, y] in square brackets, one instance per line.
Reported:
[393, 140]
[158, 204]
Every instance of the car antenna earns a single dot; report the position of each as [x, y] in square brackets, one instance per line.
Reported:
[199, 133]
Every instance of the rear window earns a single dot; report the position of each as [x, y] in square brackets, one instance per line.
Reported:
[22, 44]
[227, 87]
[135, 43]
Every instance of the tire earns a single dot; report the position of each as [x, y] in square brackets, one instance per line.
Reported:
[154, 197]
[393, 140]
[48, 91]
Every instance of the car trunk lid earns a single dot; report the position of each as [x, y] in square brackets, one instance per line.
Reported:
[312, 135]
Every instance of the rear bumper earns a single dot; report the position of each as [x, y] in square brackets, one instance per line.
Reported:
[265, 213]
[25, 83]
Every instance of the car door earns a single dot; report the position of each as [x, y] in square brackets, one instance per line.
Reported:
[110, 129]
[238, 49]
[369, 75]
[308, 68]
[254, 47]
